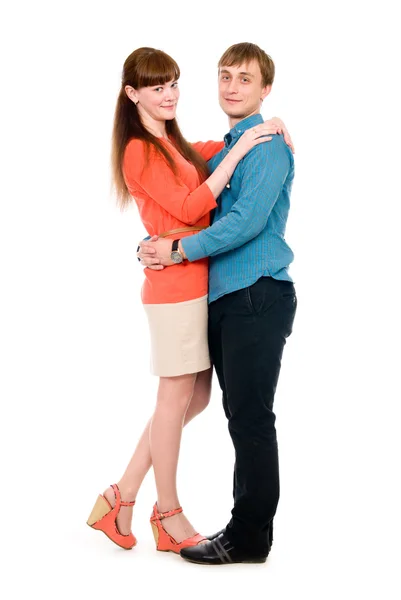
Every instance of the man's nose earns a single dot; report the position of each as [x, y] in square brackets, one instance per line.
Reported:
[232, 87]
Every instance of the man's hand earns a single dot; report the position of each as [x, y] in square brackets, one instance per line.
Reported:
[155, 253]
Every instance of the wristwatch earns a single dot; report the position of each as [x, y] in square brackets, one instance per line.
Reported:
[176, 255]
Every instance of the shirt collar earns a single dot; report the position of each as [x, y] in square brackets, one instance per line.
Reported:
[242, 126]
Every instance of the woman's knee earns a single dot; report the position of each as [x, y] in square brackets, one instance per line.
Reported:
[176, 391]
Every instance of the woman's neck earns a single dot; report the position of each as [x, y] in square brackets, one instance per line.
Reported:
[156, 128]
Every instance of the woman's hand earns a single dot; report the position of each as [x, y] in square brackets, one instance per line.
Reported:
[260, 134]
[252, 137]
[282, 129]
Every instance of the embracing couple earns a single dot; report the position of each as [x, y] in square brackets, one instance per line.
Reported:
[217, 292]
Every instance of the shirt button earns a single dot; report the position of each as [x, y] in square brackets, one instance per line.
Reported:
[228, 186]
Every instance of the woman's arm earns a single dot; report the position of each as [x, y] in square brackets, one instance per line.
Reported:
[158, 181]
[250, 138]
[208, 149]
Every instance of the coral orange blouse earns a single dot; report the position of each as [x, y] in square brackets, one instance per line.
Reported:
[166, 202]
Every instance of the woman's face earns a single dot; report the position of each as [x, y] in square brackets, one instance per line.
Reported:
[159, 102]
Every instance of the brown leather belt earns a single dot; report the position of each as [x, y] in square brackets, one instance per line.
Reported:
[174, 232]
[180, 230]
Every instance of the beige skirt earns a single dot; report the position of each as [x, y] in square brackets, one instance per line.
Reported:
[178, 336]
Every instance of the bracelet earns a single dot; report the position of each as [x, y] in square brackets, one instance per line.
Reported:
[223, 169]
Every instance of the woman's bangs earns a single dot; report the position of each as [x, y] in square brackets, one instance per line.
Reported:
[156, 70]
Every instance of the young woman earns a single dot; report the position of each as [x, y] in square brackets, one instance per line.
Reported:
[168, 178]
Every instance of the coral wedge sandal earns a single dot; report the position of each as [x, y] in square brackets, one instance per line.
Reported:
[104, 518]
[164, 541]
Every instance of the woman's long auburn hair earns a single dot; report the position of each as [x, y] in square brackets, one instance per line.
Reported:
[146, 67]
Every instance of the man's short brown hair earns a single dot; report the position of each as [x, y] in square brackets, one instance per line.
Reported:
[244, 53]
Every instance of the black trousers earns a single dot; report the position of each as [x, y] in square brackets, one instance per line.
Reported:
[247, 333]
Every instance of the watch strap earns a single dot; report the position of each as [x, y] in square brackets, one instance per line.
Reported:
[174, 247]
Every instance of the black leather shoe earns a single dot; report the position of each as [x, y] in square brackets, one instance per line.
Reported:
[218, 551]
[215, 535]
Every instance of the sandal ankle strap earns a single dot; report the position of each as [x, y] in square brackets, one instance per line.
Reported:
[128, 503]
[117, 496]
[158, 516]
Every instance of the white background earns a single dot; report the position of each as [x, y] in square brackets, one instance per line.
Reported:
[76, 389]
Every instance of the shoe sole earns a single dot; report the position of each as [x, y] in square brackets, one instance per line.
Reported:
[111, 539]
[254, 561]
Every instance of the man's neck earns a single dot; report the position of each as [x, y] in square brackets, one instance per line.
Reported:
[232, 121]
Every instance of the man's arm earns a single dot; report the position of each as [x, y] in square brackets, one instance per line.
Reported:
[265, 169]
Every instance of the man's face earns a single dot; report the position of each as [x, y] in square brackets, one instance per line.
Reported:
[241, 91]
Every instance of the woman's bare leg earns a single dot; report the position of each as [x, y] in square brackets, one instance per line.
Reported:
[173, 398]
[178, 526]
[141, 460]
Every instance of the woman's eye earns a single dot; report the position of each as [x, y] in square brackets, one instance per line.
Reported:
[175, 85]
[158, 89]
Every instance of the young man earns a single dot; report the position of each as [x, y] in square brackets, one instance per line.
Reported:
[252, 304]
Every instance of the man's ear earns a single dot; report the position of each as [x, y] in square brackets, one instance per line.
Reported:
[265, 92]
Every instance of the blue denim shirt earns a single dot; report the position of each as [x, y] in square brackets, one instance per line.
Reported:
[246, 238]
